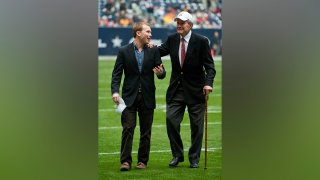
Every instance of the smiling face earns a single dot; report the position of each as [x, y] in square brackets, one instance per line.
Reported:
[145, 34]
[183, 27]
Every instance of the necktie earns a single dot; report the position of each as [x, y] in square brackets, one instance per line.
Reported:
[183, 52]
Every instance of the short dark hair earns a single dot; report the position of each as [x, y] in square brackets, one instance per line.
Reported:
[138, 27]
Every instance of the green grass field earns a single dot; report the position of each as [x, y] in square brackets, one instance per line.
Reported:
[160, 155]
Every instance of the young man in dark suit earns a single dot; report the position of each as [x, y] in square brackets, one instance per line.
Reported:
[191, 80]
[139, 65]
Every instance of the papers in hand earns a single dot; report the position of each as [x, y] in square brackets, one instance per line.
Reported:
[121, 106]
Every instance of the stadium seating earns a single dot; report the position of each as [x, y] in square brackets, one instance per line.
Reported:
[159, 13]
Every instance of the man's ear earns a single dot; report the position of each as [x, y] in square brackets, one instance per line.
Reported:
[138, 33]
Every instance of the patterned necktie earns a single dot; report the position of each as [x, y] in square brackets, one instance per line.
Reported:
[183, 52]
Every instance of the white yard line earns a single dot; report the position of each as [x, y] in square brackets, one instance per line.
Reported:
[153, 126]
[158, 151]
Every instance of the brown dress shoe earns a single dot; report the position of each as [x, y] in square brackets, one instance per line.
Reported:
[125, 166]
[141, 165]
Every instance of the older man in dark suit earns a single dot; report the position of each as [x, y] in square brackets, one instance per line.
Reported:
[191, 80]
[139, 65]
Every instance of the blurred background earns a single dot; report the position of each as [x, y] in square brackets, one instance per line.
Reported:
[116, 17]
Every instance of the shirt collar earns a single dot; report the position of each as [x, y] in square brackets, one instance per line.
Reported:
[187, 37]
[136, 48]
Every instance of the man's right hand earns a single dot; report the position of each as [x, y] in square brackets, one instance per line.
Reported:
[116, 98]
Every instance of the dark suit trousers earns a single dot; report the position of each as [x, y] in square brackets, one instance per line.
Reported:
[128, 121]
[175, 113]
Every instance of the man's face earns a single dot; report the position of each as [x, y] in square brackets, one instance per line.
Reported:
[145, 34]
[183, 27]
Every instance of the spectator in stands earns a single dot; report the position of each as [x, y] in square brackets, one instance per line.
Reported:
[214, 20]
[189, 84]
[123, 6]
[167, 19]
[124, 21]
[139, 65]
[217, 43]
[103, 21]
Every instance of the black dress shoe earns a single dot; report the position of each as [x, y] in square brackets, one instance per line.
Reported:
[175, 161]
[194, 165]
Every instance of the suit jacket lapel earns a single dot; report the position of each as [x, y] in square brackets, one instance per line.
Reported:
[190, 48]
[176, 49]
[146, 55]
[132, 58]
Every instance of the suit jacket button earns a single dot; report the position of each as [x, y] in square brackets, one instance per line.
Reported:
[181, 72]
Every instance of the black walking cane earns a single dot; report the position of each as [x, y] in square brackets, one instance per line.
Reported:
[206, 131]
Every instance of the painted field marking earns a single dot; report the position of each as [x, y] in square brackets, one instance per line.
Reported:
[153, 126]
[158, 151]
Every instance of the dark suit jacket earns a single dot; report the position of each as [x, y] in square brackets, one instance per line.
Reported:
[198, 69]
[127, 62]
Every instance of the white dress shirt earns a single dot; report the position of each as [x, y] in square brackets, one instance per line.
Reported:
[186, 43]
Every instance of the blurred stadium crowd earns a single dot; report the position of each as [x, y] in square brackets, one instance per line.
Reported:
[159, 13]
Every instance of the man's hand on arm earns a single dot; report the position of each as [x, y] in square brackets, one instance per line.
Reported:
[116, 98]
[207, 89]
[151, 45]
